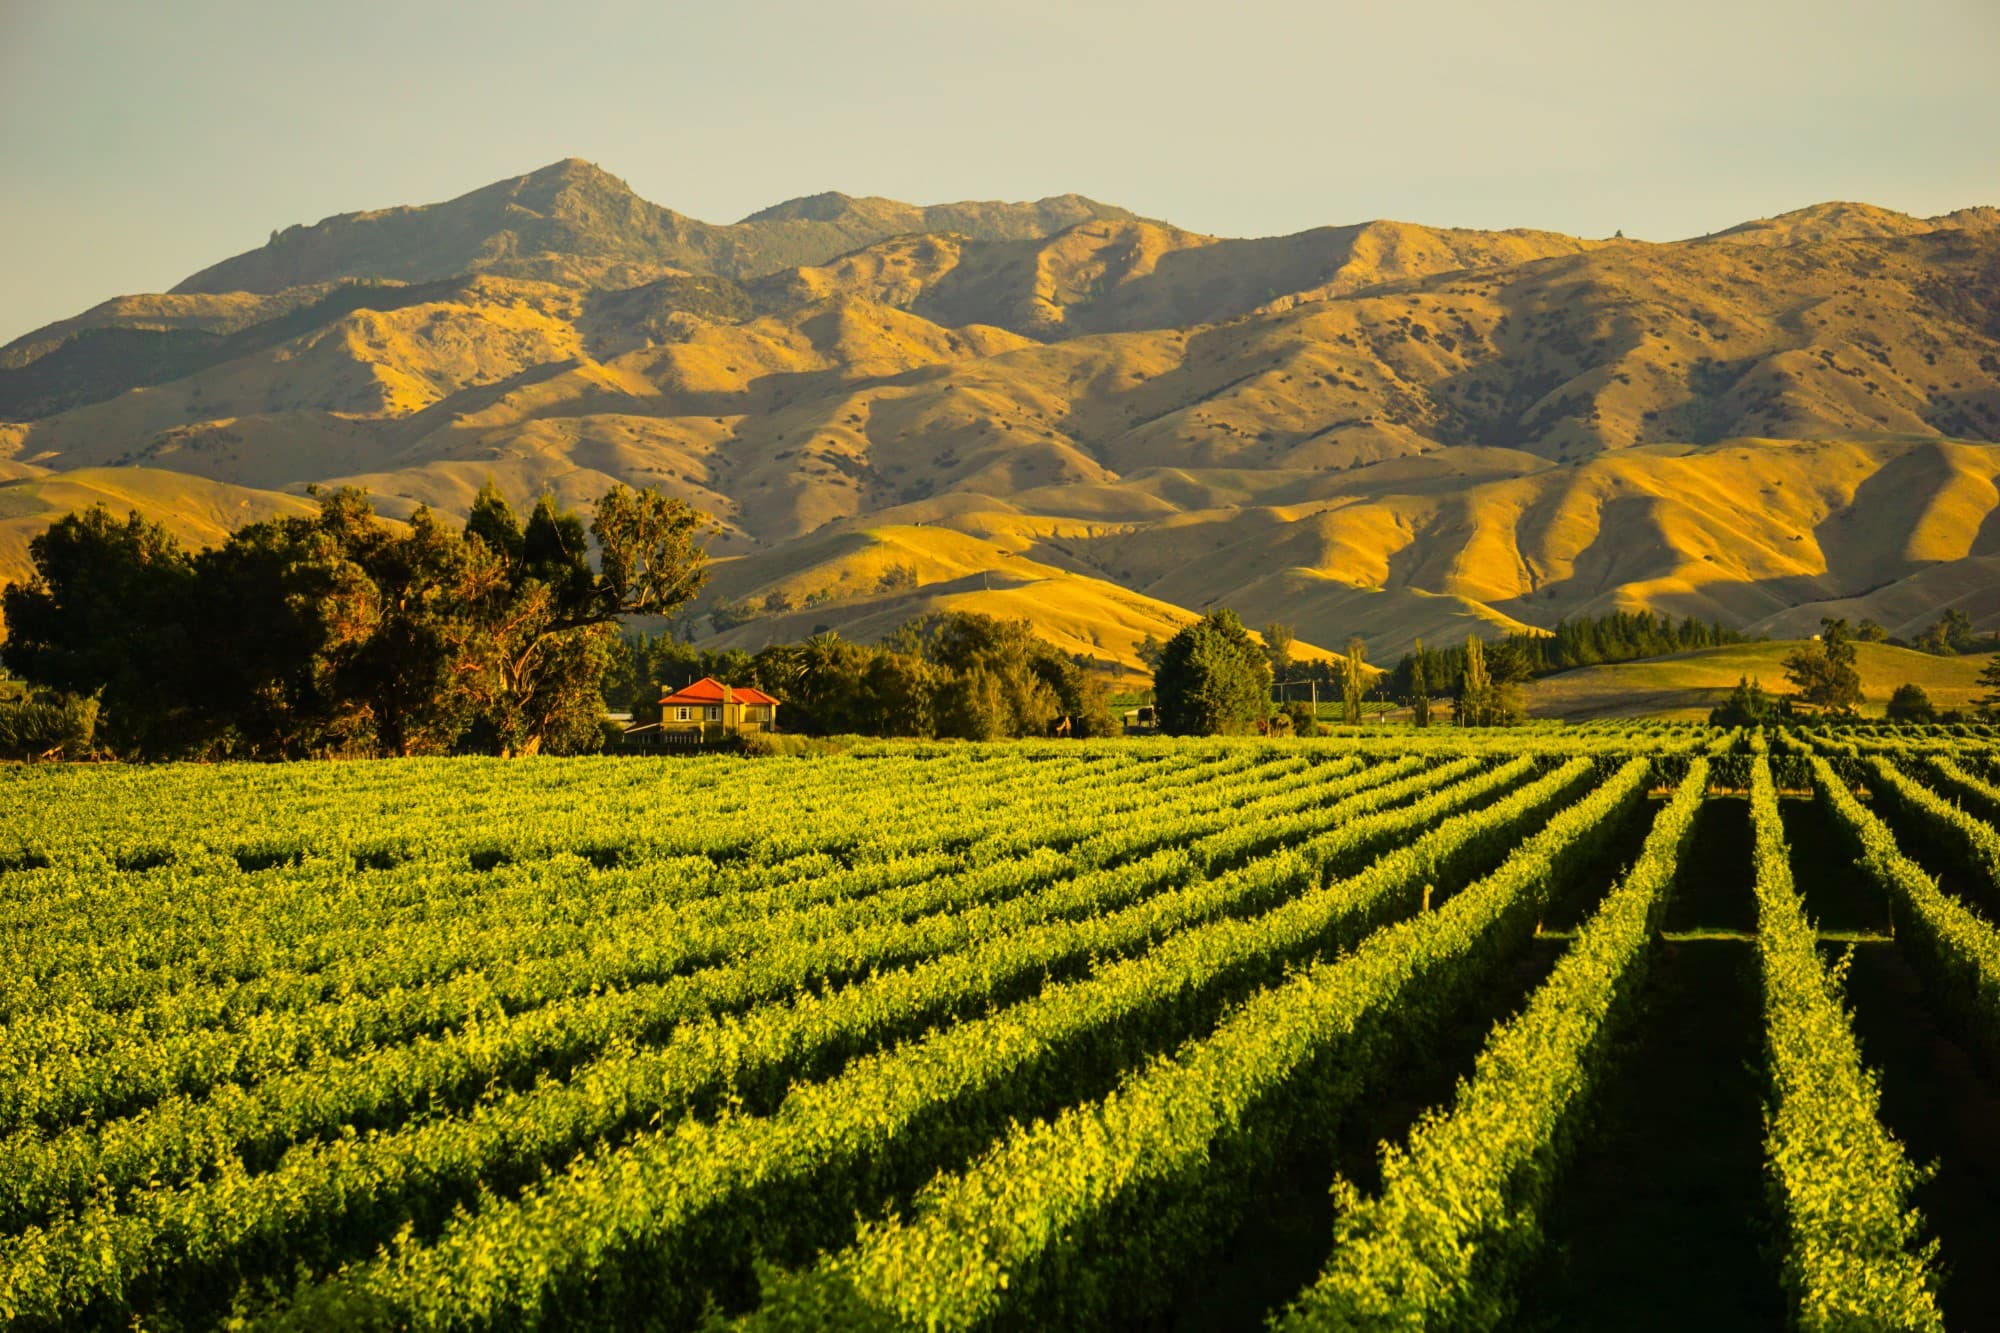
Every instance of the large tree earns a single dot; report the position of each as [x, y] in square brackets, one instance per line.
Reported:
[1353, 681]
[1213, 679]
[1952, 634]
[1476, 694]
[338, 633]
[1823, 670]
[821, 683]
[1746, 706]
[359, 633]
[1909, 703]
[546, 620]
[1278, 641]
[900, 695]
[1507, 669]
[999, 679]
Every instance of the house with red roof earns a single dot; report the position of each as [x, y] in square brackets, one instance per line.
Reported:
[705, 712]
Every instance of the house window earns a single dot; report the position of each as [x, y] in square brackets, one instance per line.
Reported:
[680, 714]
[715, 712]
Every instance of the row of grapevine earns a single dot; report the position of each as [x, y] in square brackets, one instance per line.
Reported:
[1840, 1181]
[1070, 1221]
[1965, 841]
[1968, 787]
[1459, 1210]
[1958, 949]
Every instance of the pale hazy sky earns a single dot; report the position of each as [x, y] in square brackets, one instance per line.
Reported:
[143, 140]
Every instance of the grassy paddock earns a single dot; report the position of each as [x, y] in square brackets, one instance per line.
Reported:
[1687, 685]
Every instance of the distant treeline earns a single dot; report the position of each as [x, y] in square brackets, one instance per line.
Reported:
[1622, 636]
[1950, 636]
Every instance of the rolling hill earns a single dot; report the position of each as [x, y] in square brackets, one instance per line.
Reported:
[1104, 422]
[1690, 684]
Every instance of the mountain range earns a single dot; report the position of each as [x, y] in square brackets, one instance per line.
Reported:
[1099, 421]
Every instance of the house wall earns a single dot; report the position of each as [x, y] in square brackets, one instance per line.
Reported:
[733, 719]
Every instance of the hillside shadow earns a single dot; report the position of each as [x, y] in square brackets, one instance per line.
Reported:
[1863, 539]
[781, 389]
[477, 398]
[1629, 546]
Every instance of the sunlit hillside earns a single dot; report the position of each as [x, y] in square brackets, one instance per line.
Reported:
[1382, 429]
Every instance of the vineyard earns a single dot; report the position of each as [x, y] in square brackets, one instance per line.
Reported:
[1633, 1026]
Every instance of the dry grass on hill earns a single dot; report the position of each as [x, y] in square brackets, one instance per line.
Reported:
[1381, 429]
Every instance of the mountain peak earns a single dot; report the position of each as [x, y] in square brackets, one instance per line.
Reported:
[570, 174]
[572, 209]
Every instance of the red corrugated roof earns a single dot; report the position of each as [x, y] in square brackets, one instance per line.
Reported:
[708, 690]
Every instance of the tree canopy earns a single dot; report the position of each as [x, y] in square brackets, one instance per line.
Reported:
[1988, 703]
[113, 612]
[339, 633]
[1620, 636]
[1419, 686]
[1909, 703]
[1489, 689]
[1213, 679]
[1950, 636]
[1353, 681]
[1822, 670]
[1747, 706]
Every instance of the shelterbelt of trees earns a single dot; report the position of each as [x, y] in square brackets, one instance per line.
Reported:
[340, 634]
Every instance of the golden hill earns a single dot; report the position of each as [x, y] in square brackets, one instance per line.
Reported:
[1384, 429]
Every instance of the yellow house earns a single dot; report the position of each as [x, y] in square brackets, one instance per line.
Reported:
[709, 711]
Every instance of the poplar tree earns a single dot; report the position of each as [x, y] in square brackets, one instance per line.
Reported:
[1420, 689]
[1352, 682]
[1475, 694]
[1278, 640]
